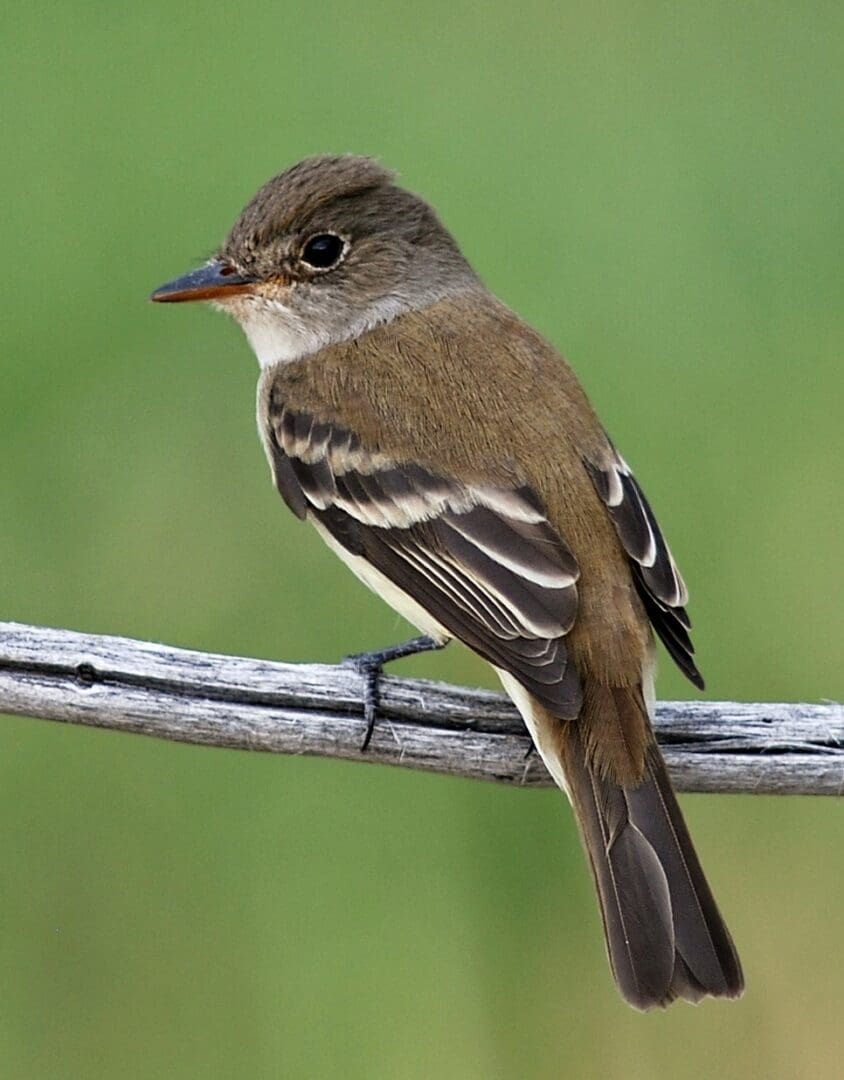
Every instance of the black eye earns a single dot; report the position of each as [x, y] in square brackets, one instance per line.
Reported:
[323, 251]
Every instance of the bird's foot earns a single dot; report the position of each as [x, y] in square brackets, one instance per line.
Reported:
[370, 665]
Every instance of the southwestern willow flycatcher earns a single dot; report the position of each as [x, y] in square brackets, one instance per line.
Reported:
[448, 455]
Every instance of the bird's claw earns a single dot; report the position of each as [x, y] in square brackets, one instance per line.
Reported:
[370, 666]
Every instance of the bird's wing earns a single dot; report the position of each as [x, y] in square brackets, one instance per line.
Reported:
[484, 562]
[657, 578]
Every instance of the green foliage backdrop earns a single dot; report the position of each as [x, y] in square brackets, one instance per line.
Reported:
[658, 187]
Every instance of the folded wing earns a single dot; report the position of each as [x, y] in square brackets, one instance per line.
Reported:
[482, 560]
[657, 578]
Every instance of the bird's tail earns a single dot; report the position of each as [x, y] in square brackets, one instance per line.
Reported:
[665, 936]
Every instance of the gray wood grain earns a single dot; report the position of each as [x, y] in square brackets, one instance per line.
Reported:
[316, 709]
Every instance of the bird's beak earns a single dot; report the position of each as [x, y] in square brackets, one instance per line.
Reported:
[217, 280]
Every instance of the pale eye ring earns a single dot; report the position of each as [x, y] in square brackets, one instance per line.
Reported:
[323, 251]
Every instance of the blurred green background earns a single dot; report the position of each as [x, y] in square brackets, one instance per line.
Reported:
[658, 187]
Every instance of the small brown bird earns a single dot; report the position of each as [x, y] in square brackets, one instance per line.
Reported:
[448, 455]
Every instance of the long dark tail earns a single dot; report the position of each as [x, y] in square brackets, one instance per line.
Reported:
[665, 936]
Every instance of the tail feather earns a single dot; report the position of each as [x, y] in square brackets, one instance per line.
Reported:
[665, 936]
[702, 939]
[635, 898]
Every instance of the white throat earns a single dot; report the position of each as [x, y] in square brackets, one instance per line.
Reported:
[278, 340]
[278, 336]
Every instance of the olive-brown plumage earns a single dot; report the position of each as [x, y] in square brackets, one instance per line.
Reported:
[448, 454]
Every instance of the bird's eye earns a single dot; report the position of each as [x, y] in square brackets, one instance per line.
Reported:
[323, 251]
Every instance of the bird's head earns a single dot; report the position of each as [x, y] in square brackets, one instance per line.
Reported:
[323, 252]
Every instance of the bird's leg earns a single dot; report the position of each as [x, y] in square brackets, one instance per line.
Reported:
[371, 667]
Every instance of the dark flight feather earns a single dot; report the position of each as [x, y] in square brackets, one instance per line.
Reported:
[484, 562]
[658, 581]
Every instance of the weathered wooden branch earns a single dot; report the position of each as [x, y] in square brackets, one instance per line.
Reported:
[246, 704]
